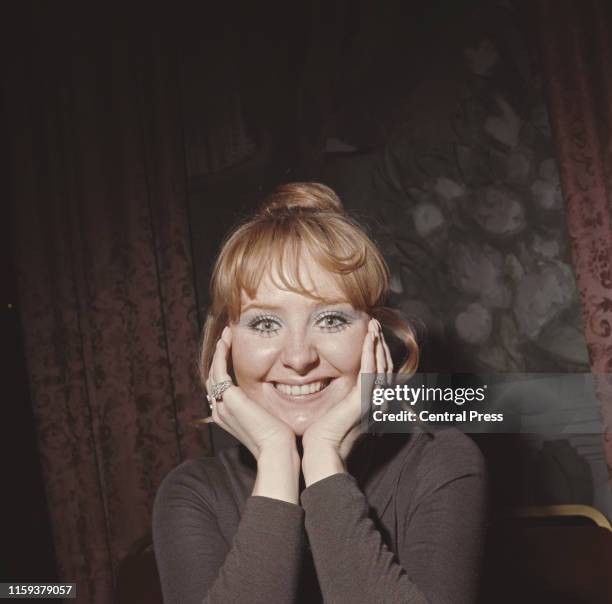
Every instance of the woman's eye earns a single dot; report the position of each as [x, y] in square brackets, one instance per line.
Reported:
[333, 322]
[265, 325]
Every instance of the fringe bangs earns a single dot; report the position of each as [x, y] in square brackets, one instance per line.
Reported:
[278, 248]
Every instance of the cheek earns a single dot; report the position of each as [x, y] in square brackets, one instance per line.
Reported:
[344, 351]
[252, 356]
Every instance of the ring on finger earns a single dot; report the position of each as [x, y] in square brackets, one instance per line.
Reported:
[380, 381]
[217, 390]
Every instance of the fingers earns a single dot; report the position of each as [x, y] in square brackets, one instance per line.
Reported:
[220, 358]
[388, 359]
[368, 358]
[381, 361]
[218, 373]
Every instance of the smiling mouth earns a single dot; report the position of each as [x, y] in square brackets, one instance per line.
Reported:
[303, 390]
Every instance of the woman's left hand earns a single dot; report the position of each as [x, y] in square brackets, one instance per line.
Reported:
[335, 432]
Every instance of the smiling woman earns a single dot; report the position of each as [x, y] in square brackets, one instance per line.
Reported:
[297, 314]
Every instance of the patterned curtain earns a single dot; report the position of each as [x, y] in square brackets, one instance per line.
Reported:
[106, 285]
[575, 41]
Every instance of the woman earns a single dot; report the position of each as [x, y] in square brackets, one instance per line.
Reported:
[297, 315]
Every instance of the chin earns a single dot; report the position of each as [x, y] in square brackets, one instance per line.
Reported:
[300, 422]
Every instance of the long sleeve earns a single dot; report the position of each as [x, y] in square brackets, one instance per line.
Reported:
[440, 531]
[196, 563]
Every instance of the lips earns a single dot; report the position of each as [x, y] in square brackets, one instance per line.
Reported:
[302, 390]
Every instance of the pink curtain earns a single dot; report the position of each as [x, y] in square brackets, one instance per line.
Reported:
[106, 285]
[575, 40]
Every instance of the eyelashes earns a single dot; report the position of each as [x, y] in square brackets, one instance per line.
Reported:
[265, 325]
[333, 320]
[329, 322]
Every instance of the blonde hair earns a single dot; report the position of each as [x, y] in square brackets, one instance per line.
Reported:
[301, 218]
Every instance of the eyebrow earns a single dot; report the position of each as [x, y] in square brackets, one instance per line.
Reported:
[276, 307]
[259, 306]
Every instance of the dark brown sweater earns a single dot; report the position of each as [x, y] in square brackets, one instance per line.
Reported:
[406, 525]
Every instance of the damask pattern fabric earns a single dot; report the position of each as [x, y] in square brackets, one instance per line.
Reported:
[576, 55]
[107, 295]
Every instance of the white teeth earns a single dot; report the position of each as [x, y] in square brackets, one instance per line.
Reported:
[300, 390]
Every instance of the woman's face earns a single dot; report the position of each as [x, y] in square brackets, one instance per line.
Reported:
[296, 356]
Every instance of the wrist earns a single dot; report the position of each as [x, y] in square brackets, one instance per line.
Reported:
[278, 474]
[320, 462]
[273, 456]
[278, 444]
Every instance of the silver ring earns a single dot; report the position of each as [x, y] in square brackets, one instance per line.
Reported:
[217, 390]
[380, 381]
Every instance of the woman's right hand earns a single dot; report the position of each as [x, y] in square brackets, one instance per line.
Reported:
[243, 418]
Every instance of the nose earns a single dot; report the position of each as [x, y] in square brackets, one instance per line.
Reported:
[299, 353]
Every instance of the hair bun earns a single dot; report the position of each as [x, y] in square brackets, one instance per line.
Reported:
[309, 196]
